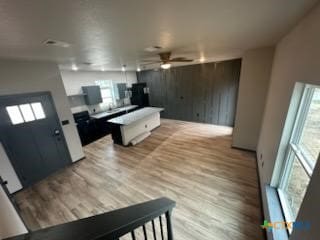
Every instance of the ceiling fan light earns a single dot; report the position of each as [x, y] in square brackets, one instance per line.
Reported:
[74, 67]
[165, 65]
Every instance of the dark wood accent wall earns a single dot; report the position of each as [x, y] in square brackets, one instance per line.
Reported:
[199, 93]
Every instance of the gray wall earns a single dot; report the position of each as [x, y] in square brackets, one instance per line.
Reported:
[254, 82]
[33, 76]
[297, 59]
[200, 93]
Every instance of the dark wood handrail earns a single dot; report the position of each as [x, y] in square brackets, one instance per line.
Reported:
[108, 226]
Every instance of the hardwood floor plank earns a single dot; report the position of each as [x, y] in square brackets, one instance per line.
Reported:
[214, 185]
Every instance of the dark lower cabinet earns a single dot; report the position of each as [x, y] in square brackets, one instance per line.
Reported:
[90, 129]
[87, 131]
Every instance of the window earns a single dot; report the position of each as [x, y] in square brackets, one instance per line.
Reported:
[107, 93]
[25, 112]
[15, 115]
[302, 153]
[38, 110]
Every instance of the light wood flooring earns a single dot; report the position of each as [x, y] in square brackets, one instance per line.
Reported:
[215, 186]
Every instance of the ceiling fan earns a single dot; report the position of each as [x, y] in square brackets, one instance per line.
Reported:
[166, 61]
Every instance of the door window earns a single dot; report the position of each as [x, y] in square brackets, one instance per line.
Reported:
[38, 110]
[25, 112]
[14, 114]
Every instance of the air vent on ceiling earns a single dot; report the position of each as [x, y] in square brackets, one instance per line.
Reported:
[51, 42]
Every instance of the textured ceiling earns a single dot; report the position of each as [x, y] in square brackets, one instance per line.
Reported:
[109, 33]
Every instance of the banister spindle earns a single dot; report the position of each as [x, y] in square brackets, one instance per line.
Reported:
[161, 227]
[145, 232]
[169, 225]
[154, 230]
[133, 236]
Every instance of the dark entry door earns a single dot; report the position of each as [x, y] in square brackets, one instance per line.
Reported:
[32, 136]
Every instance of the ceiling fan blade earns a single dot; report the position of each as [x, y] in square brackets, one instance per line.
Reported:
[150, 63]
[149, 60]
[180, 60]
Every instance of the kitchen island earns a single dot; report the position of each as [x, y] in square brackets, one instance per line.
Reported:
[95, 126]
[114, 111]
[135, 126]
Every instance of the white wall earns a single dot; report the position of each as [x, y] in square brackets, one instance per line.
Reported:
[10, 222]
[254, 82]
[297, 59]
[7, 172]
[32, 76]
[74, 80]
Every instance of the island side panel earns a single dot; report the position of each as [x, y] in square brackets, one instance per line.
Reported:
[135, 129]
[116, 133]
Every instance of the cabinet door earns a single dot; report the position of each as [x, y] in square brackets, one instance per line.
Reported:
[93, 94]
[171, 103]
[155, 91]
[226, 88]
[198, 94]
[183, 88]
[121, 87]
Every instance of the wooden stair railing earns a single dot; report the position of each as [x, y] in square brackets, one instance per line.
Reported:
[114, 225]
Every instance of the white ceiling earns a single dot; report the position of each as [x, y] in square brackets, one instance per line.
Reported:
[109, 33]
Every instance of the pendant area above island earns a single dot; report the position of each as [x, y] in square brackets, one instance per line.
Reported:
[134, 127]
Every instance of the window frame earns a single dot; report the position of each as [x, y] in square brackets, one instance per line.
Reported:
[110, 87]
[294, 151]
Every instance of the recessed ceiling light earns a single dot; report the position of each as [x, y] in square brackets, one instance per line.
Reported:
[138, 69]
[74, 67]
[123, 69]
[51, 42]
[153, 49]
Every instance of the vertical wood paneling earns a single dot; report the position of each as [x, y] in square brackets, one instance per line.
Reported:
[200, 93]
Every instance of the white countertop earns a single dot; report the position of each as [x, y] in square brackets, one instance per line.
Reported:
[135, 116]
[112, 112]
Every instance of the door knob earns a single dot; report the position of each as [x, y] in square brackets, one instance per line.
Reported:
[56, 132]
[4, 183]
